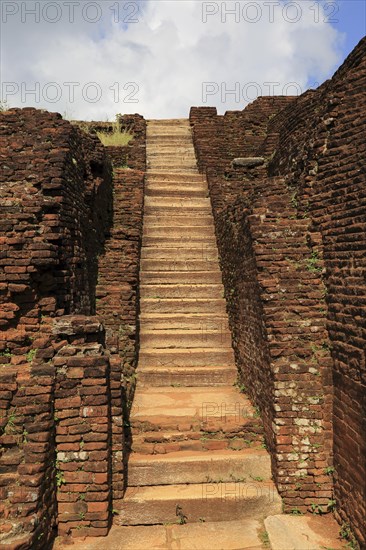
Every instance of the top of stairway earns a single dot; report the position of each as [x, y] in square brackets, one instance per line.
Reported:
[168, 121]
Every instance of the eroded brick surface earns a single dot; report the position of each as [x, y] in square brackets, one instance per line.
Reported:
[291, 236]
[57, 202]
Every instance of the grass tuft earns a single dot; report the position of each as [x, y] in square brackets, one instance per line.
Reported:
[117, 138]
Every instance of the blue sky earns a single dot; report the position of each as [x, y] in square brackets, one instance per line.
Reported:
[351, 21]
[160, 57]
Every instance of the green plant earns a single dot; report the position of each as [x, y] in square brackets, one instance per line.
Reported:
[264, 537]
[294, 201]
[312, 263]
[117, 137]
[182, 519]
[329, 470]
[24, 436]
[346, 534]
[60, 479]
[241, 387]
[237, 479]
[324, 292]
[10, 427]
[316, 508]
[296, 512]
[6, 353]
[331, 506]
[257, 478]
[31, 355]
[257, 412]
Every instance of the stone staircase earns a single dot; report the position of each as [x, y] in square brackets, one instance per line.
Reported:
[198, 475]
[197, 453]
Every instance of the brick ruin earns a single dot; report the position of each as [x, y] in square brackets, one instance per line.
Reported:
[287, 185]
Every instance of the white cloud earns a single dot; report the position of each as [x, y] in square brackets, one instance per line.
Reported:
[167, 55]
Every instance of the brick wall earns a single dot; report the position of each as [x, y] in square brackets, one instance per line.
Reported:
[58, 205]
[56, 198]
[118, 306]
[321, 155]
[271, 260]
[82, 417]
[117, 290]
[312, 251]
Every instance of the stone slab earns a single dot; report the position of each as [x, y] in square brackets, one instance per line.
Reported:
[287, 532]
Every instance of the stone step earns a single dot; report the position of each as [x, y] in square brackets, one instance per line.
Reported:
[161, 133]
[183, 277]
[192, 251]
[166, 148]
[186, 291]
[171, 139]
[164, 219]
[166, 188]
[193, 409]
[181, 138]
[165, 338]
[173, 185]
[187, 357]
[183, 160]
[186, 232]
[173, 211]
[176, 191]
[164, 442]
[195, 503]
[188, 203]
[230, 535]
[286, 532]
[172, 160]
[183, 305]
[155, 127]
[184, 321]
[186, 377]
[166, 153]
[176, 240]
[167, 123]
[152, 122]
[196, 467]
[178, 265]
[165, 176]
[174, 168]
